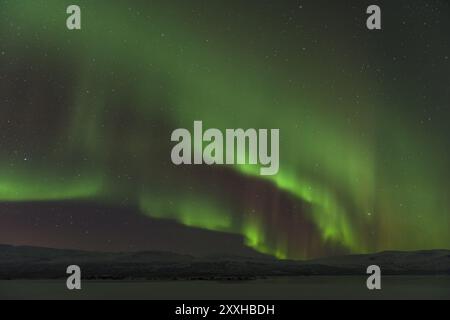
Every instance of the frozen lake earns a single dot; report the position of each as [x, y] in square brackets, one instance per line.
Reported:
[316, 287]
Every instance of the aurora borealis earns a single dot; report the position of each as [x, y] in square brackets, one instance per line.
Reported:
[86, 117]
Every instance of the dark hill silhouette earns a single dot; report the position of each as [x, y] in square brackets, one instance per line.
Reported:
[46, 263]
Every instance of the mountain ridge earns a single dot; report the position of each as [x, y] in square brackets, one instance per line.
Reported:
[26, 262]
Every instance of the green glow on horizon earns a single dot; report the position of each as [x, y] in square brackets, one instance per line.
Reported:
[188, 211]
[45, 187]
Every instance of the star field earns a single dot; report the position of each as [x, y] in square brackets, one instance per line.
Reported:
[86, 118]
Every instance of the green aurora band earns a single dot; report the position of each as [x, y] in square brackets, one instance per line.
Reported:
[132, 76]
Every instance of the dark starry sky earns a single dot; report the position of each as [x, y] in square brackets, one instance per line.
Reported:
[86, 118]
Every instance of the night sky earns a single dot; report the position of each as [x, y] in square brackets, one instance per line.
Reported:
[86, 118]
